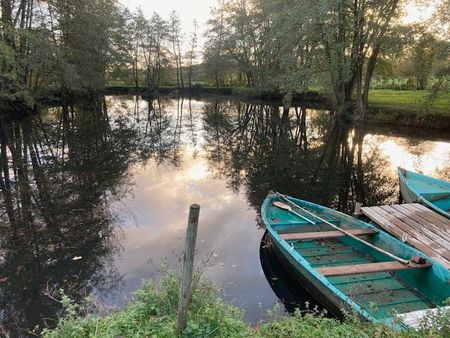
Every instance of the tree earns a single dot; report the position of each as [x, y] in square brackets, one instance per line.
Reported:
[86, 28]
[423, 56]
[442, 73]
[249, 44]
[67, 44]
[134, 30]
[154, 36]
[352, 34]
[14, 50]
[442, 15]
[192, 53]
[292, 44]
[175, 40]
[214, 58]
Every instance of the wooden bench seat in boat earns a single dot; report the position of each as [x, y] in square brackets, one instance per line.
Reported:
[435, 196]
[343, 270]
[275, 223]
[325, 234]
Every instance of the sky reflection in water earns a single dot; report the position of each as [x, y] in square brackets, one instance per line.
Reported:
[156, 224]
[155, 215]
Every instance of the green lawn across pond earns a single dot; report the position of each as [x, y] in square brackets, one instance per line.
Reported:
[412, 98]
[412, 101]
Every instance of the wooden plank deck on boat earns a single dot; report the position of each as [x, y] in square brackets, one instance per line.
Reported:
[417, 226]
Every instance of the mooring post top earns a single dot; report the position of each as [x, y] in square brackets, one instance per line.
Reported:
[195, 206]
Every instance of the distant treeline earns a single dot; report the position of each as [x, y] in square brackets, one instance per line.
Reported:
[335, 46]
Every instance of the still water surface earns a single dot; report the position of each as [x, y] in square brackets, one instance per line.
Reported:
[95, 196]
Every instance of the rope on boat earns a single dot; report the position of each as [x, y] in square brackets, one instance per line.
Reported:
[387, 253]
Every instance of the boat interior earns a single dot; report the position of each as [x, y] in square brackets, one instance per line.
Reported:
[377, 283]
[440, 200]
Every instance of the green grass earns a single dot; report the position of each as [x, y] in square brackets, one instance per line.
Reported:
[408, 108]
[409, 98]
[152, 313]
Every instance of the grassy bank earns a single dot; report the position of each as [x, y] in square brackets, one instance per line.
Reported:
[413, 99]
[400, 108]
[152, 313]
[408, 108]
[408, 98]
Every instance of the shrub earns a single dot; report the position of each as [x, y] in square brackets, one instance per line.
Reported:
[152, 313]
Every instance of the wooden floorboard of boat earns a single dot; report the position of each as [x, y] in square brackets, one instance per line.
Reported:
[371, 286]
[325, 234]
[319, 250]
[383, 310]
[388, 297]
[367, 268]
[359, 278]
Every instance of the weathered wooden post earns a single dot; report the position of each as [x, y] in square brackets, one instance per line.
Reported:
[188, 266]
[357, 212]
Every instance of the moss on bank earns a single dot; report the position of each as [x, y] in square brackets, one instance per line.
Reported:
[152, 313]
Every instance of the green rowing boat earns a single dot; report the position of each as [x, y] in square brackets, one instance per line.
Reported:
[349, 265]
[427, 190]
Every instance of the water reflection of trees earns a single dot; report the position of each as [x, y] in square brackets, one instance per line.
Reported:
[60, 172]
[158, 124]
[297, 151]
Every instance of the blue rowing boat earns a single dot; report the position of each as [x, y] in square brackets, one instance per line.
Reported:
[424, 189]
[349, 265]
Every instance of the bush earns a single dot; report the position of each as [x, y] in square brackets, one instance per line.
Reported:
[152, 313]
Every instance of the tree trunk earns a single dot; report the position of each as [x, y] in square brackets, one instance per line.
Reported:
[190, 77]
[180, 65]
[216, 79]
[369, 73]
[6, 19]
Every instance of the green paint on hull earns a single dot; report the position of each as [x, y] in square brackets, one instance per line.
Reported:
[424, 189]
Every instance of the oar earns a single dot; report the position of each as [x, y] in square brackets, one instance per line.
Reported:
[287, 207]
[284, 206]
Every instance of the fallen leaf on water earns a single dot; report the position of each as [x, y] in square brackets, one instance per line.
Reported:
[3, 279]
[76, 258]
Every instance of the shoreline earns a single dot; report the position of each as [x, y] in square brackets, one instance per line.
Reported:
[382, 113]
[401, 114]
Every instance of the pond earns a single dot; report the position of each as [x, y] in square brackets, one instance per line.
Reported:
[95, 195]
